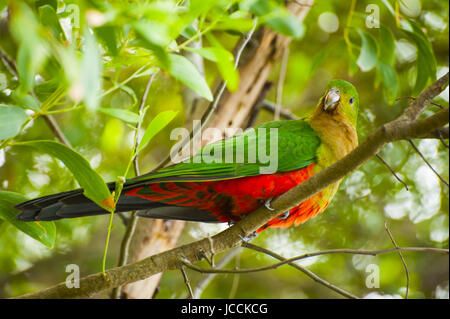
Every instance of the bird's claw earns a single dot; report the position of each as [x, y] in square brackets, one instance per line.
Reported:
[249, 237]
[267, 203]
[284, 215]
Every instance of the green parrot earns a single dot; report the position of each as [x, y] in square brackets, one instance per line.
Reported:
[239, 177]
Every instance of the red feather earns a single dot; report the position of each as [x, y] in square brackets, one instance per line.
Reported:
[229, 200]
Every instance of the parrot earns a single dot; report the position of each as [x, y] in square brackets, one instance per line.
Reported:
[215, 190]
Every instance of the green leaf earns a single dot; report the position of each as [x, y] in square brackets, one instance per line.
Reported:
[11, 120]
[426, 61]
[258, 7]
[26, 101]
[156, 125]
[50, 19]
[386, 64]
[44, 232]
[285, 23]
[225, 64]
[107, 35]
[389, 77]
[234, 23]
[156, 37]
[52, 3]
[183, 70]
[276, 17]
[322, 54]
[368, 55]
[91, 71]
[388, 6]
[93, 185]
[121, 114]
[387, 46]
[130, 92]
[189, 32]
[33, 50]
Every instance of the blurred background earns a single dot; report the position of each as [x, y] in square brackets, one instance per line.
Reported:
[328, 44]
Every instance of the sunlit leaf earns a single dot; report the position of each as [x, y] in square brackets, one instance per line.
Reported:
[183, 70]
[258, 7]
[276, 17]
[52, 3]
[107, 35]
[285, 23]
[426, 62]
[91, 71]
[387, 45]
[156, 38]
[225, 64]
[11, 120]
[49, 19]
[368, 55]
[385, 66]
[25, 101]
[32, 51]
[389, 78]
[93, 185]
[156, 125]
[44, 232]
[121, 114]
[321, 55]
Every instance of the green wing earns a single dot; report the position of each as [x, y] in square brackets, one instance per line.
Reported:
[250, 153]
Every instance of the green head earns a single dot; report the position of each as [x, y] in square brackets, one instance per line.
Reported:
[342, 98]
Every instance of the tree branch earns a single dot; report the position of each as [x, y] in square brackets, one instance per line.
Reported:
[401, 257]
[428, 163]
[306, 271]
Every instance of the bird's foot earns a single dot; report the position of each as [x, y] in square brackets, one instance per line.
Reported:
[249, 237]
[284, 215]
[267, 203]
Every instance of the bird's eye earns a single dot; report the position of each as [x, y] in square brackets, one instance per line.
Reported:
[352, 100]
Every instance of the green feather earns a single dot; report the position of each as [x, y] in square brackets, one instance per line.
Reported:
[297, 148]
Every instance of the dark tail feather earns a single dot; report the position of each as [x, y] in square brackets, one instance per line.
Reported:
[74, 204]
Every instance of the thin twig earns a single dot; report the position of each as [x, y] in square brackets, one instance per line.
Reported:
[280, 84]
[413, 98]
[55, 129]
[9, 63]
[132, 222]
[401, 256]
[236, 277]
[187, 282]
[392, 171]
[441, 137]
[319, 253]
[201, 285]
[425, 98]
[304, 270]
[302, 4]
[284, 113]
[426, 162]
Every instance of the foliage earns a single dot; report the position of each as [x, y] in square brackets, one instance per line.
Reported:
[87, 63]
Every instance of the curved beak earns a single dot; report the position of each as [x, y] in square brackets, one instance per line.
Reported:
[331, 99]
